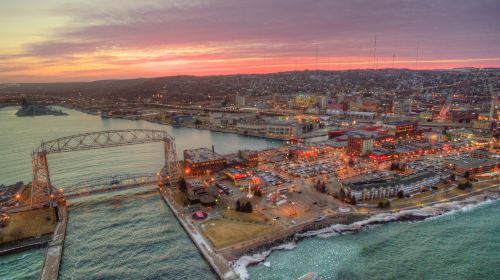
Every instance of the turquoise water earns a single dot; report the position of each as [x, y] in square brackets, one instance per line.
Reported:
[462, 245]
[19, 136]
[133, 235]
[22, 265]
[126, 235]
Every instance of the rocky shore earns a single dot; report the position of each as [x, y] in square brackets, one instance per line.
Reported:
[254, 257]
[32, 110]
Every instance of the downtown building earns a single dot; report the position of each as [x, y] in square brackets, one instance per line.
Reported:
[203, 161]
[401, 128]
[359, 144]
[385, 188]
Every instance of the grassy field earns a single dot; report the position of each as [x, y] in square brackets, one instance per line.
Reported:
[28, 224]
[224, 232]
[245, 217]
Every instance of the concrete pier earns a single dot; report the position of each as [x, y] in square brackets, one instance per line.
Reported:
[218, 263]
[52, 262]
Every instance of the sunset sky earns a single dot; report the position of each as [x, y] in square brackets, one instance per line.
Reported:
[61, 40]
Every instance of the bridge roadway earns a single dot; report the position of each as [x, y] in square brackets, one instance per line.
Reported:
[108, 184]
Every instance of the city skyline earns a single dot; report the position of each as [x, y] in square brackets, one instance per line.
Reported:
[249, 139]
[56, 41]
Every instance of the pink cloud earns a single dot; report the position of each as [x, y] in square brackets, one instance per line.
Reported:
[283, 32]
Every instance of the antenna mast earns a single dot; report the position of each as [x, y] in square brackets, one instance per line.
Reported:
[493, 100]
[416, 59]
[375, 52]
[316, 57]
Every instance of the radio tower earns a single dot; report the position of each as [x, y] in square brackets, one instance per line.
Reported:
[316, 57]
[416, 58]
[375, 52]
[493, 100]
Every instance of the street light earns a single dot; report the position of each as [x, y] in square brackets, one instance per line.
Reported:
[293, 207]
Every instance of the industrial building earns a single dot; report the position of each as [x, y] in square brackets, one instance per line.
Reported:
[472, 166]
[202, 161]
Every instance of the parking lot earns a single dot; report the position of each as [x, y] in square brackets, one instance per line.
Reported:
[272, 178]
[307, 169]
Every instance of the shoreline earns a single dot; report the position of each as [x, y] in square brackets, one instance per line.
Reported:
[221, 130]
[217, 263]
[53, 255]
[320, 229]
[254, 246]
[208, 128]
[212, 129]
[241, 264]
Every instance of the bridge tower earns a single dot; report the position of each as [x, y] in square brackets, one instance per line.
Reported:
[41, 188]
[171, 172]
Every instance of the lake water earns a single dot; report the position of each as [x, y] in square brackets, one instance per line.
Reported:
[125, 235]
[133, 235]
[460, 245]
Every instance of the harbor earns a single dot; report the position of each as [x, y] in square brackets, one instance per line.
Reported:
[90, 216]
[250, 140]
[218, 263]
[307, 207]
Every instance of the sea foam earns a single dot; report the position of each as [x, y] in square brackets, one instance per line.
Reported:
[428, 212]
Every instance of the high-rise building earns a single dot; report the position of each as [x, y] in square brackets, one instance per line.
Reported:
[359, 145]
[304, 101]
[240, 101]
[401, 128]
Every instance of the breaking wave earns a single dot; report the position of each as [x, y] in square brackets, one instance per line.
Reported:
[240, 265]
[428, 212]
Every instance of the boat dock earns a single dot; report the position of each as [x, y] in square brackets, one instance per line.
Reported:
[217, 262]
[53, 256]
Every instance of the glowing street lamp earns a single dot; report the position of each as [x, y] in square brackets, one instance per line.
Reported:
[250, 194]
[293, 207]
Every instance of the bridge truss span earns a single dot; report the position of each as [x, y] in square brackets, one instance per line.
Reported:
[103, 139]
[42, 190]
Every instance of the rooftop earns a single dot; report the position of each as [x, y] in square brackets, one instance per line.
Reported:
[201, 155]
[469, 163]
[379, 183]
[399, 123]
[487, 154]
[7, 192]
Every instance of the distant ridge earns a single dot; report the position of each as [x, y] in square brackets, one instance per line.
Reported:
[216, 85]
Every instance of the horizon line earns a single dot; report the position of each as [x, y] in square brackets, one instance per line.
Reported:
[256, 73]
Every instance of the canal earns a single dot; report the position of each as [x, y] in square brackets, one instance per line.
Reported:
[130, 234]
